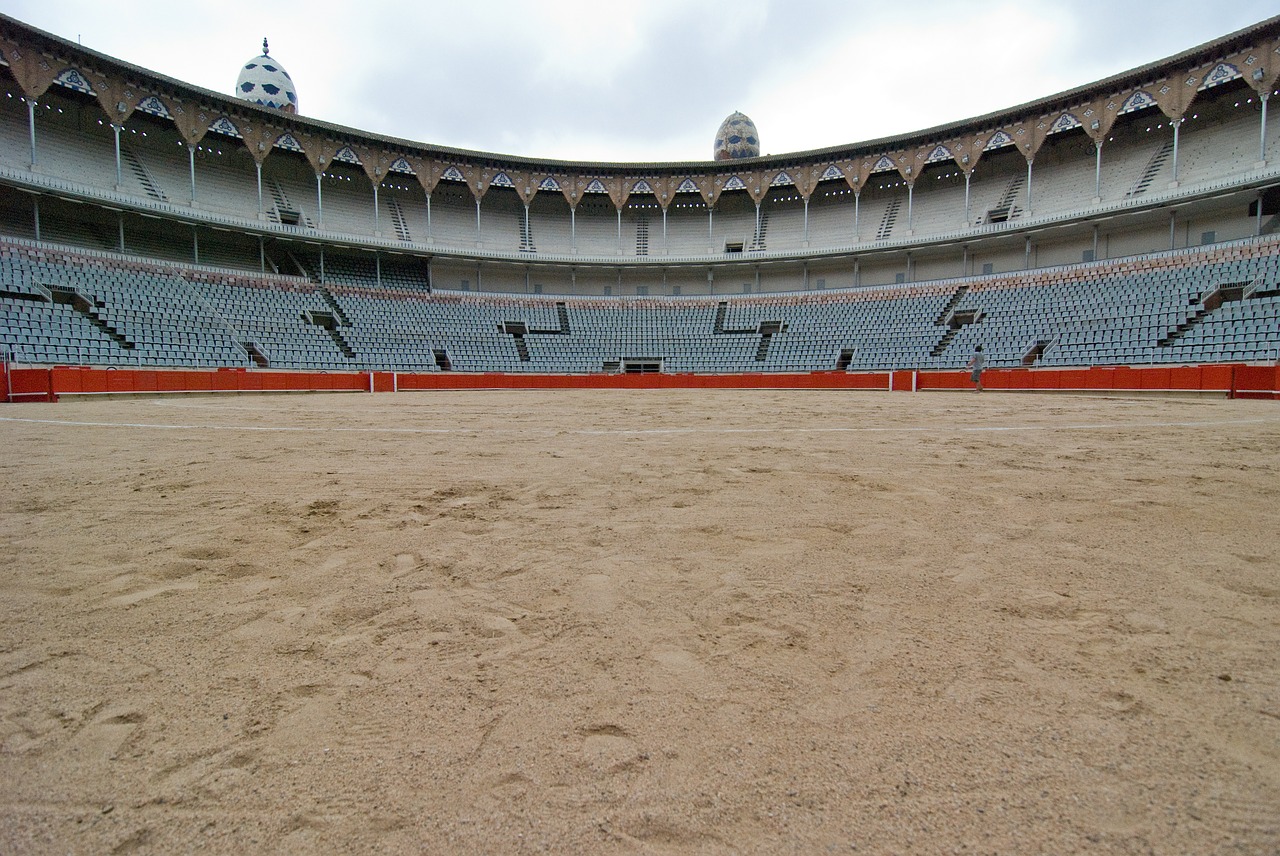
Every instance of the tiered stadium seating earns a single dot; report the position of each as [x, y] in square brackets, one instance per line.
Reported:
[65, 306]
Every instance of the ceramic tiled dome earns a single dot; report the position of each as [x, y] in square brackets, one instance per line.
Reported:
[264, 81]
[737, 138]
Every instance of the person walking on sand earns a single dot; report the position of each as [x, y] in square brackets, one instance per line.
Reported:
[976, 362]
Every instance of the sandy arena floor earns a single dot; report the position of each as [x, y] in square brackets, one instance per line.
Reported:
[640, 622]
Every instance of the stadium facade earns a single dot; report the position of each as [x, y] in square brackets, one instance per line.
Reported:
[151, 223]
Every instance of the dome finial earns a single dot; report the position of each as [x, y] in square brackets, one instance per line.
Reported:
[265, 49]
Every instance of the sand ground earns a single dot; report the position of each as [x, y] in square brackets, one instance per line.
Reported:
[640, 622]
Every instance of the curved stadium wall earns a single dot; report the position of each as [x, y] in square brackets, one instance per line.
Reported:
[149, 223]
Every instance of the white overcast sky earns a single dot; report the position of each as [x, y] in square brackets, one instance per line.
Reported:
[647, 81]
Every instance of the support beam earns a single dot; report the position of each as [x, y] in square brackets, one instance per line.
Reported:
[1097, 171]
[119, 172]
[191, 161]
[31, 126]
[1028, 211]
[1262, 150]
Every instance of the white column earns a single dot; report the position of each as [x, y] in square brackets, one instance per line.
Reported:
[319, 202]
[191, 160]
[1176, 123]
[429, 217]
[806, 228]
[375, 208]
[1028, 211]
[1263, 146]
[1097, 170]
[619, 232]
[968, 216]
[477, 218]
[911, 195]
[119, 172]
[258, 167]
[665, 248]
[857, 231]
[573, 228]
[755, 239]
[31, 125]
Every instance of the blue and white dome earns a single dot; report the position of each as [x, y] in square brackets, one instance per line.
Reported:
[737, 138]
[264, 81]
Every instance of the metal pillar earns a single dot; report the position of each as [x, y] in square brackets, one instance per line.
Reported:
[191, 160]
[319, 201]
[119, 171]
[1176, 123]
[1029, 161]
[31, 125]
[968, 216]
[258, 168]
[1097, 170]
[1262, 150]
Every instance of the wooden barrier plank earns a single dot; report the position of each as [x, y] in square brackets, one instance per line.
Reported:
[1157, 378]
[1255, 380]
[121, 380]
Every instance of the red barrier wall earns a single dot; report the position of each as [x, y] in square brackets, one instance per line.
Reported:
[1236, 380]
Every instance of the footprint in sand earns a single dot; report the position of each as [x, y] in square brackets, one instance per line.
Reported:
[144, 594]
[607, 747]
[596, 593]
